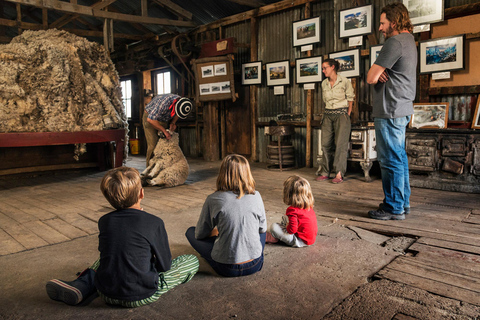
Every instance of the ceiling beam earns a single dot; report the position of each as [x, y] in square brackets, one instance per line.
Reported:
[175, 8]
[60, 22]
[89, 11]
[249, 3]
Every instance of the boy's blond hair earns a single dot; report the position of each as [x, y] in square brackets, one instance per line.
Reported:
[235, 176]
[298, 193]
[121, 187]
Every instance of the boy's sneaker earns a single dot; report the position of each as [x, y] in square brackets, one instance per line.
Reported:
[72, 292]
[270, 238]
[406, 209]
[383, 215]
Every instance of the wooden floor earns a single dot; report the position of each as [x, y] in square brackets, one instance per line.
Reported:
[46, 209]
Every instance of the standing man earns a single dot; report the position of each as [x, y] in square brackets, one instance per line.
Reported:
[394, 77]
[164, 110]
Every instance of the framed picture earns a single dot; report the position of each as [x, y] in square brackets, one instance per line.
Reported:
[221, 69]
[356, 21]
[429, 115]
[374, 51]
[308, 69]
[278, 73]
[252, 73]
[424, 11]
[442, 54]
[207, 71]
[476, 116]
[306, 31]
[349, 61]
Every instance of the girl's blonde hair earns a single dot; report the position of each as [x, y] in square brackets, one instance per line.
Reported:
[121, 187]
[298, 193]
[235, 176]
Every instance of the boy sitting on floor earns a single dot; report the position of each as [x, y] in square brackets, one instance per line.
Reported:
[135, 266]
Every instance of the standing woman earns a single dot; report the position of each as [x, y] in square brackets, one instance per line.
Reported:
[337, 92]
[230, 232]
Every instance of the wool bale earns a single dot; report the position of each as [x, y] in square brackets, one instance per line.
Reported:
[54, 81]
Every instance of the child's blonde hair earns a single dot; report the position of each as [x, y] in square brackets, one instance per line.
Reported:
[235, 176]
[121, 187]
[298, 193]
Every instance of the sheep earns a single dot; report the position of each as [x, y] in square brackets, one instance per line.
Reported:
[168, 167]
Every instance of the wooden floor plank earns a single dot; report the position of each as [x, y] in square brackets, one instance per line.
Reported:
[443, 289]
[65, 228]
[46, 232]
[461, 247]
[25, 237]
[473, 218]
[8, 244]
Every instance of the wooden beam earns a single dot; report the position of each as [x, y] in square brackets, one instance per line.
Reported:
[262, 11]
[144, 6]
[175, 8]
[68, 17]
[461, 11]
[309, 107]
[253, 89]
[249, 3]
[89, 11]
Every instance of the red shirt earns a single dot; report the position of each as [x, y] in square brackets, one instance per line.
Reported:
[302, 223]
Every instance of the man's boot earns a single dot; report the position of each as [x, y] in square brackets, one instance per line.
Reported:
[72, 292]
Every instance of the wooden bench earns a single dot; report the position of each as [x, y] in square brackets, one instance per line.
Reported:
[33, 139]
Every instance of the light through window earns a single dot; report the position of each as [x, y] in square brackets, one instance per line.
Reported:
[163, 83]
[127, 97]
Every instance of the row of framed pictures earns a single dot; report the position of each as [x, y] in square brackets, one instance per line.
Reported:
[436, 55]
[359, 20]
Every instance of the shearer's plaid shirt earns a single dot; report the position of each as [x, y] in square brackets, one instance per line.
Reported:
[159, 108]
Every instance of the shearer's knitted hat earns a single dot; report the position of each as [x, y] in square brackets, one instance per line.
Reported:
[183, 108]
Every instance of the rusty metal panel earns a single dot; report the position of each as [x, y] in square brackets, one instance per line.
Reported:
[475, 168]
[453, 166]
[454, 146]
[422, 153]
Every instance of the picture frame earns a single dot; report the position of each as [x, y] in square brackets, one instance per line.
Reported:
[424, 11]
[442, 54]
[306, 31]
[252, 73]
[429, 115]
[278, 73]
[220, 69]
[374, 51]
[308, 70]
[207, 71]
[476, 116]
[356, 21]
[349, 61]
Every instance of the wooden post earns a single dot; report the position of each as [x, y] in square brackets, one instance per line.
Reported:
[223, 138]
[253, 89]
[309, 107]
[210, 132]
[355, 114]
[424, 79]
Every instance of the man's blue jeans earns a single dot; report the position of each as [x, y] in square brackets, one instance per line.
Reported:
[391, 154]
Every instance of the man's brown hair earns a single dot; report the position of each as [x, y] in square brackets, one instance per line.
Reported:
[121, 187]
[397, 14]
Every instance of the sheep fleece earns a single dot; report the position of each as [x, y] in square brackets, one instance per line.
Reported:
[168, 167]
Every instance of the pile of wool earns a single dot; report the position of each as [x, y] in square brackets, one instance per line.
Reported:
[53, 81]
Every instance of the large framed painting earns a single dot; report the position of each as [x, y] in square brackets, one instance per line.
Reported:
[442, 54]
[424, 11]
[308, 70]
[306, 31]
[349, 61]
[356, 21]
[430, 115]
[278, 73]
[374, 51]
[252, 73]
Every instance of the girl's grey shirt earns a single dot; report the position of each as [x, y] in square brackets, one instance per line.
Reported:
[239, 223]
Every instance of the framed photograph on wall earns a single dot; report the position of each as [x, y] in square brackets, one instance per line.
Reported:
[374, 51]
[278, 73]
[252, 73]
[308, 70]
[356, 21]
[442, 54]
[306, 31]
[424, 11]
[429, 115]
[476, 116]
[349, 61]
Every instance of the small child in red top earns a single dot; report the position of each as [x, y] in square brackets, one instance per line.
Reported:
[299, 225]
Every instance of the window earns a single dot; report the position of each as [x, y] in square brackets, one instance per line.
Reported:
[127, 97]
[163, 83]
